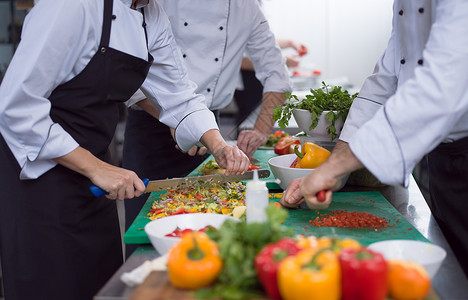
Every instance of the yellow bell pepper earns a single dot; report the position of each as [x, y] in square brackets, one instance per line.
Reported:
[194, 261]
[310, 274]
[311, 156]
[332, 243]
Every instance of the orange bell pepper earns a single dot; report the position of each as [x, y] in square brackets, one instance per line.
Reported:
[194, 261]
[407, 280]
[310, 274]
[311, 156]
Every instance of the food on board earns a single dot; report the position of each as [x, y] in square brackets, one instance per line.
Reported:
[203, 198]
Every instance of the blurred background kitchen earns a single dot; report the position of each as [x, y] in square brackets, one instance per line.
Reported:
[344, 40]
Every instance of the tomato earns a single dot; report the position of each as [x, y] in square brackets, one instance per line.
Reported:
[253, 167]
[179, 211]
[279, 133]
[282, 147]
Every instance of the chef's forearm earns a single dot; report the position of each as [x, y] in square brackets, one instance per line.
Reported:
[265, 122]
[147, 106]
[80, 160]
[213, 140]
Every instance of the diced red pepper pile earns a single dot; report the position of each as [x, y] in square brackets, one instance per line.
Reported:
[344, 218]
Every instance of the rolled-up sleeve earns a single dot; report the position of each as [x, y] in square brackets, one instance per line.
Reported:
[169, 88]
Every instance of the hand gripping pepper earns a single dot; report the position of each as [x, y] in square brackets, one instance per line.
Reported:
[311, 156]
[363, 275]
[194, 261]
[267, 263]
[310, 275]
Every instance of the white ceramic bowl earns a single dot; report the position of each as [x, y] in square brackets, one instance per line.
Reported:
[430, 256]
[157, 229]
[303, 120]
[280, 166]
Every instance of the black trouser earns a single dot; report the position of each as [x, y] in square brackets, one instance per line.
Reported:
[448, 186]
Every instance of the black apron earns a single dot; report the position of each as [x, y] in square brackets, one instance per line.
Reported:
[57, 241]
[448, 186]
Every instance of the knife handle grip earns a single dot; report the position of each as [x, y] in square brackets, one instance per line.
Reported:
[98, 192]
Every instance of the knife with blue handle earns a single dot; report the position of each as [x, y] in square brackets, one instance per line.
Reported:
[165, 184]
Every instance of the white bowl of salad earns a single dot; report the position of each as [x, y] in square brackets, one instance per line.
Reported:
[165, 232]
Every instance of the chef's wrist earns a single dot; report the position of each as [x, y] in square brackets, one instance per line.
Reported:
[213, 140]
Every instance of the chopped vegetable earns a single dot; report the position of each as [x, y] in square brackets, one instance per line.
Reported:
[273, 138]
[212, 198]
[327, 98]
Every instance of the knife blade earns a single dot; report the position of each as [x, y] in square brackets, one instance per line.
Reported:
[164, 184]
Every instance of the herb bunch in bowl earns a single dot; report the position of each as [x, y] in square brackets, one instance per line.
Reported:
[334, 100]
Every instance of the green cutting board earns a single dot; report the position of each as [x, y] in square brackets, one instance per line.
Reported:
[298, 219]
[262, 157]
[370, 202]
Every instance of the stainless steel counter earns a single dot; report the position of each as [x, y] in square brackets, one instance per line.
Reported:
[449, 283]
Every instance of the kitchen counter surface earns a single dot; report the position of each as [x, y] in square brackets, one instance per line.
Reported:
[449, 283]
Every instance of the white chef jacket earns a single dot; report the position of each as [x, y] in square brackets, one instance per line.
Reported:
[58, 40]
[418, 94]
[213, 36]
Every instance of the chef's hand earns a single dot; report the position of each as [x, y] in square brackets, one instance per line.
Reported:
[315, 182]
[232, 159]
[228, 157]
[249, 141]
[119, 183]
[292, 196]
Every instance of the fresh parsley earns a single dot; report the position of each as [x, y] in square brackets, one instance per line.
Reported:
[327, 98]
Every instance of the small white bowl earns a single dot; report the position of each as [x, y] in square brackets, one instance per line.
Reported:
[280, 166]
[430, 256]
[303, 120]
[157, 229]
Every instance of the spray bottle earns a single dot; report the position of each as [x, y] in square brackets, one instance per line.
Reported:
[256, 197]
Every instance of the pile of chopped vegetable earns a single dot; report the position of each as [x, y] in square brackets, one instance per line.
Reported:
[209, 198]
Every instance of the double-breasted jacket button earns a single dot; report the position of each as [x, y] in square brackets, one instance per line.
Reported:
[420, 61]
[221, 27]
[421, 10]
[184, 55]
[400, 12]
[208, 90]
[216, 59]
[185, 24]
[402, 61]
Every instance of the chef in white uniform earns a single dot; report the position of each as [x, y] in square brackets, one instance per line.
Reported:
[76, 61]
[212, 36]
[415, 103]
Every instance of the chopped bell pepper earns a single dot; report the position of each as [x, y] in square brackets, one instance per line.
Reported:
[267, 263]
[363, 275]
[194, 261]
[310, 274]
[282, 147]
[311, 156]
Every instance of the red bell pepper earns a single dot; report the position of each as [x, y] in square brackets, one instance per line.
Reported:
[267, 263]
[363, 275]
[282, 147]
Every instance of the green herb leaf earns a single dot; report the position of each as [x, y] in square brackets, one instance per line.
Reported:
[327, 98]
